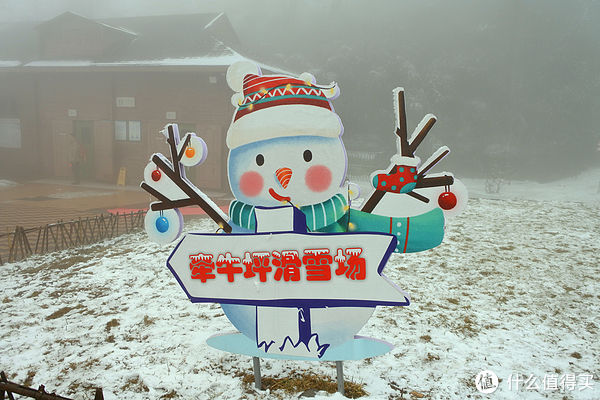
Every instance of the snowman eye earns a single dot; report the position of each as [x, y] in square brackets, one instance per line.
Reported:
[260, 160]
[307, 155]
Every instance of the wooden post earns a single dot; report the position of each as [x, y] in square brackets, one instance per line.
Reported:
[45, 240]
[99, 395]
[339, 366]
[54, 237]
[256, 369]
[26, 242]
[36, 246]
[11, 251]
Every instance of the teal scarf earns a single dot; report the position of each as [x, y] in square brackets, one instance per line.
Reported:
[318, 215]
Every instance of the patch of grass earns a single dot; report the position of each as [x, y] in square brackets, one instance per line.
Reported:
[60, 264]
[148, 321]
[111, 324]
[134, 384]
[62, 311]
[507, 248]
[29, 378]
[576, 355]
[425, 338]
[453, 301]
[299, 382]
[170, 395]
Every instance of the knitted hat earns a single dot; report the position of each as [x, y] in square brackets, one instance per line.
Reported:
[272, 106]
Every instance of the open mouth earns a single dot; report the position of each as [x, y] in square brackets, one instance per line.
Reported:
[277, 196]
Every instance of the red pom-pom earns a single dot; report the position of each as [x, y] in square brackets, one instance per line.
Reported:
[447, 200]
[156, 175]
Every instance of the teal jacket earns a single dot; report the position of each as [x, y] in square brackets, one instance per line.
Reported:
[417, 233]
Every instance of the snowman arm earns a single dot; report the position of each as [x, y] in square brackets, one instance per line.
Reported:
[169, 204]
[445, 180]
[435, 158]
[420, 132]
[173, 146]
[418, 196]
[154, 192]
[194, 197]
[401, 130]
[188, 137]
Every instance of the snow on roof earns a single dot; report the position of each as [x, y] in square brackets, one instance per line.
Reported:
[9, 63]
[60, 63]
[213, 20]
[184, 61]
[204, 61]
[118, 28]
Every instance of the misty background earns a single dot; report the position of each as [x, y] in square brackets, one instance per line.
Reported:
[515, 84]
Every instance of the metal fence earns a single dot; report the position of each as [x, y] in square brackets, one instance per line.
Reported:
[22, 243]
[8, 388]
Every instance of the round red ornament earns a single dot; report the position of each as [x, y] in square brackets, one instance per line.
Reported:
[447, 200]
[156, 175]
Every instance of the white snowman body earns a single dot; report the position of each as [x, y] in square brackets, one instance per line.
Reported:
[287, 154]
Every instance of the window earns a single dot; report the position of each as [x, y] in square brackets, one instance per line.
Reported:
[128, 130]
[120, 130]
[135, 131]
[10, 133]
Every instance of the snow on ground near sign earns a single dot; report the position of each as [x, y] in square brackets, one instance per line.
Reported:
[513, 289]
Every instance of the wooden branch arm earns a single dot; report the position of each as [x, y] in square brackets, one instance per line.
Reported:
[198, 200]
[185, 143]
[401, 130]
[431, 164]
[372, 202]
[174, 156]
[446, 180]
[424, 127]
[418, 196]
[154, 192]
[168, 205]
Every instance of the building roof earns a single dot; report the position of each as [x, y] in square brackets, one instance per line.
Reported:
[191, 40]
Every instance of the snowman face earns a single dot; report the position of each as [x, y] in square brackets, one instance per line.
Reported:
[301, 169]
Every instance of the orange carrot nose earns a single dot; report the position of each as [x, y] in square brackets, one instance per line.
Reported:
[283, 176]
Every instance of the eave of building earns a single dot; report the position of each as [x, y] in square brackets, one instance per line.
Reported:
[167, 64]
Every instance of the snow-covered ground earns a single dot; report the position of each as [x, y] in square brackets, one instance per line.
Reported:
[514, 289]
[4, 183]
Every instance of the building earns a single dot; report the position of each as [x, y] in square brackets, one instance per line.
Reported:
[114, 84]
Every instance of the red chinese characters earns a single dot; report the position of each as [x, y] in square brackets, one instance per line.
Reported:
[202, 266]
[354, 267]
[225, 266]
[318, 264]
[261, 264]
[286, 265]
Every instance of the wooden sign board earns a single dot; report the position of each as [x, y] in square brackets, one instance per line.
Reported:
[122, 175]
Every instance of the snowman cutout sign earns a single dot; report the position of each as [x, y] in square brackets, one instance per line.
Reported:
[297, 269]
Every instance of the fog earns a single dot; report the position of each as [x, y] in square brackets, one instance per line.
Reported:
[515, 84]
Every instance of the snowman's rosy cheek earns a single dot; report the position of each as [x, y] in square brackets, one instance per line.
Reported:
[318, 178]
[251, 183]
